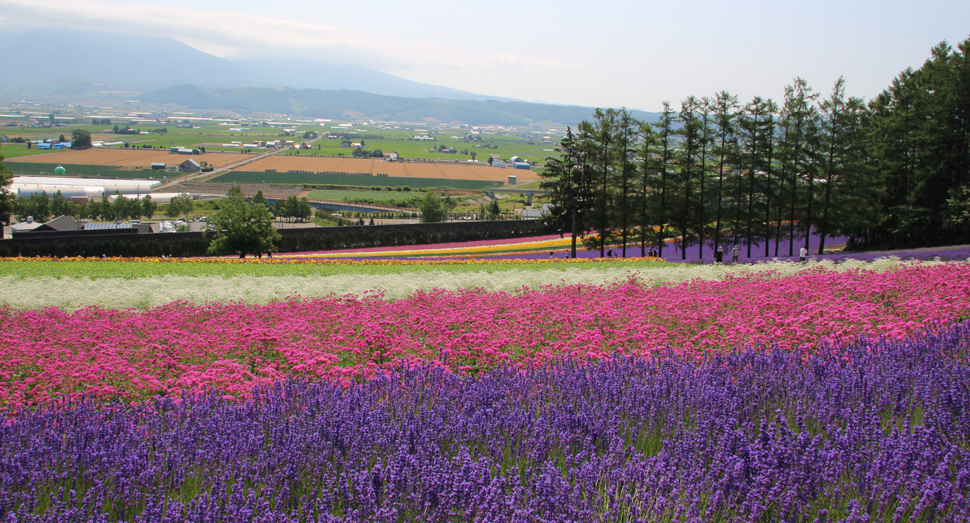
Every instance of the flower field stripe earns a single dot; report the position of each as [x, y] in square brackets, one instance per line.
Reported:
[529, 246]
[130, 354]
[115, 285]
[875, 431]
[473, 243]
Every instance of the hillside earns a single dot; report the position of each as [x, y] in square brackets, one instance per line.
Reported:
[61, 61]
[316, 103]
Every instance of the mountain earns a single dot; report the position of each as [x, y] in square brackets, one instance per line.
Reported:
[56, 60]
[347, 104]
[52, 59]
[301, 74]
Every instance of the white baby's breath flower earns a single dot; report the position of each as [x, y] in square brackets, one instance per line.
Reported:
[142, 293]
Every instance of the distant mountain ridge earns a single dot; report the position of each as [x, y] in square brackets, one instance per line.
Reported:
[56, 60]
[70, 62]
[346, 104]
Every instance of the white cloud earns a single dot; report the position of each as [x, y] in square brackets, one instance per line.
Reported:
[246, 34]
[513, 62]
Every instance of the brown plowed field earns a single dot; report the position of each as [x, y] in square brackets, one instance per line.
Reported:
[133, 158]
[447, 171]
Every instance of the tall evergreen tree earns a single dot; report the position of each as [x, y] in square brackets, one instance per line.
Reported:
[725, 107]
[919, 136]
[626, 148]
[665, 141]
[687, 173]
[648, 172]
[768, 137]
[602, 133]
[568, 177]
[797, 113]
[707, 140]
[752, 130]
[846, 198]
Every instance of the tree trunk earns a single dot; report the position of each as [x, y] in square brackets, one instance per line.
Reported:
[770, 145]
[575, 231]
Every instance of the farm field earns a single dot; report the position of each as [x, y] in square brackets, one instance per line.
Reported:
[284, 178]
[18, 150]
[393, 169]
[142, 158]
[85, 170]
[415, 149]
[840, 386]
[338, 195]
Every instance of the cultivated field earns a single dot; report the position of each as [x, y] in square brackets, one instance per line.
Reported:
[133, 157]
[260, 177]
[19, 167]
[405, 170]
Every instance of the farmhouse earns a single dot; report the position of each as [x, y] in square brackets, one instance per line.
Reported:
[61, 223]
[24, 227]
[158, 166]
[190, 166]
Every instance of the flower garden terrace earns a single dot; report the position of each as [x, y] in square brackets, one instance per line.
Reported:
[235, 346]
[874, 430]
[453, 390]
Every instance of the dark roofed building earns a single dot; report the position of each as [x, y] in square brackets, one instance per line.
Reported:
[190, 166]
[61, 223]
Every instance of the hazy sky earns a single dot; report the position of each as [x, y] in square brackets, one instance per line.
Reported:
[594, 53]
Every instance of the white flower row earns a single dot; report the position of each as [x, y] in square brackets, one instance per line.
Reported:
[142, 293]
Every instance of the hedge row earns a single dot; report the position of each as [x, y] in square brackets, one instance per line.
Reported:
[294, 240]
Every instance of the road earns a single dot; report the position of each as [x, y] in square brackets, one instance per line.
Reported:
[201, 176]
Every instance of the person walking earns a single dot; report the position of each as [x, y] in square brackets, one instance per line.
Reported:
[802, 254]
[735, 254]
[719, 256]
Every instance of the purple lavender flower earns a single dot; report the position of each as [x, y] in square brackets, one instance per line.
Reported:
[874, 431]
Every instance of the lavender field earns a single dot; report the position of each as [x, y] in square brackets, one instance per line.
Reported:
[871, 431]
[629, 391]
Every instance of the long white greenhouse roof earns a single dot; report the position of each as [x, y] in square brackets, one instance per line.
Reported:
[80, 182]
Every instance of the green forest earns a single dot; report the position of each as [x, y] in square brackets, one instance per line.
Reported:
[891, 172]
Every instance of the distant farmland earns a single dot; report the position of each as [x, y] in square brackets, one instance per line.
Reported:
[133, 157]
[250, 177]
[448, 171]
[19, 167]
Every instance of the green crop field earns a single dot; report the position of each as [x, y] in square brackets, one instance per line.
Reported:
[340, 179]
[85, 170]
[403, 143]
[129, 270]
[339, 195]
[19, 150]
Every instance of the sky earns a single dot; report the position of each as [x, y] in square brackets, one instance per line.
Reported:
[605, 53]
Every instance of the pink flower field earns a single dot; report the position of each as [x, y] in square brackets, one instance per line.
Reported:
[131, 355]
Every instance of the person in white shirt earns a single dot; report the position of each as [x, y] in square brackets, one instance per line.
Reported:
[802, 254]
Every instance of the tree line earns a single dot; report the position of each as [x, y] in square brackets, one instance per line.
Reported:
[767, 175]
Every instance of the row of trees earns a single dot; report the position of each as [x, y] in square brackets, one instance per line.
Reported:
[291, 207]
[42, 207]
[767, 175]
